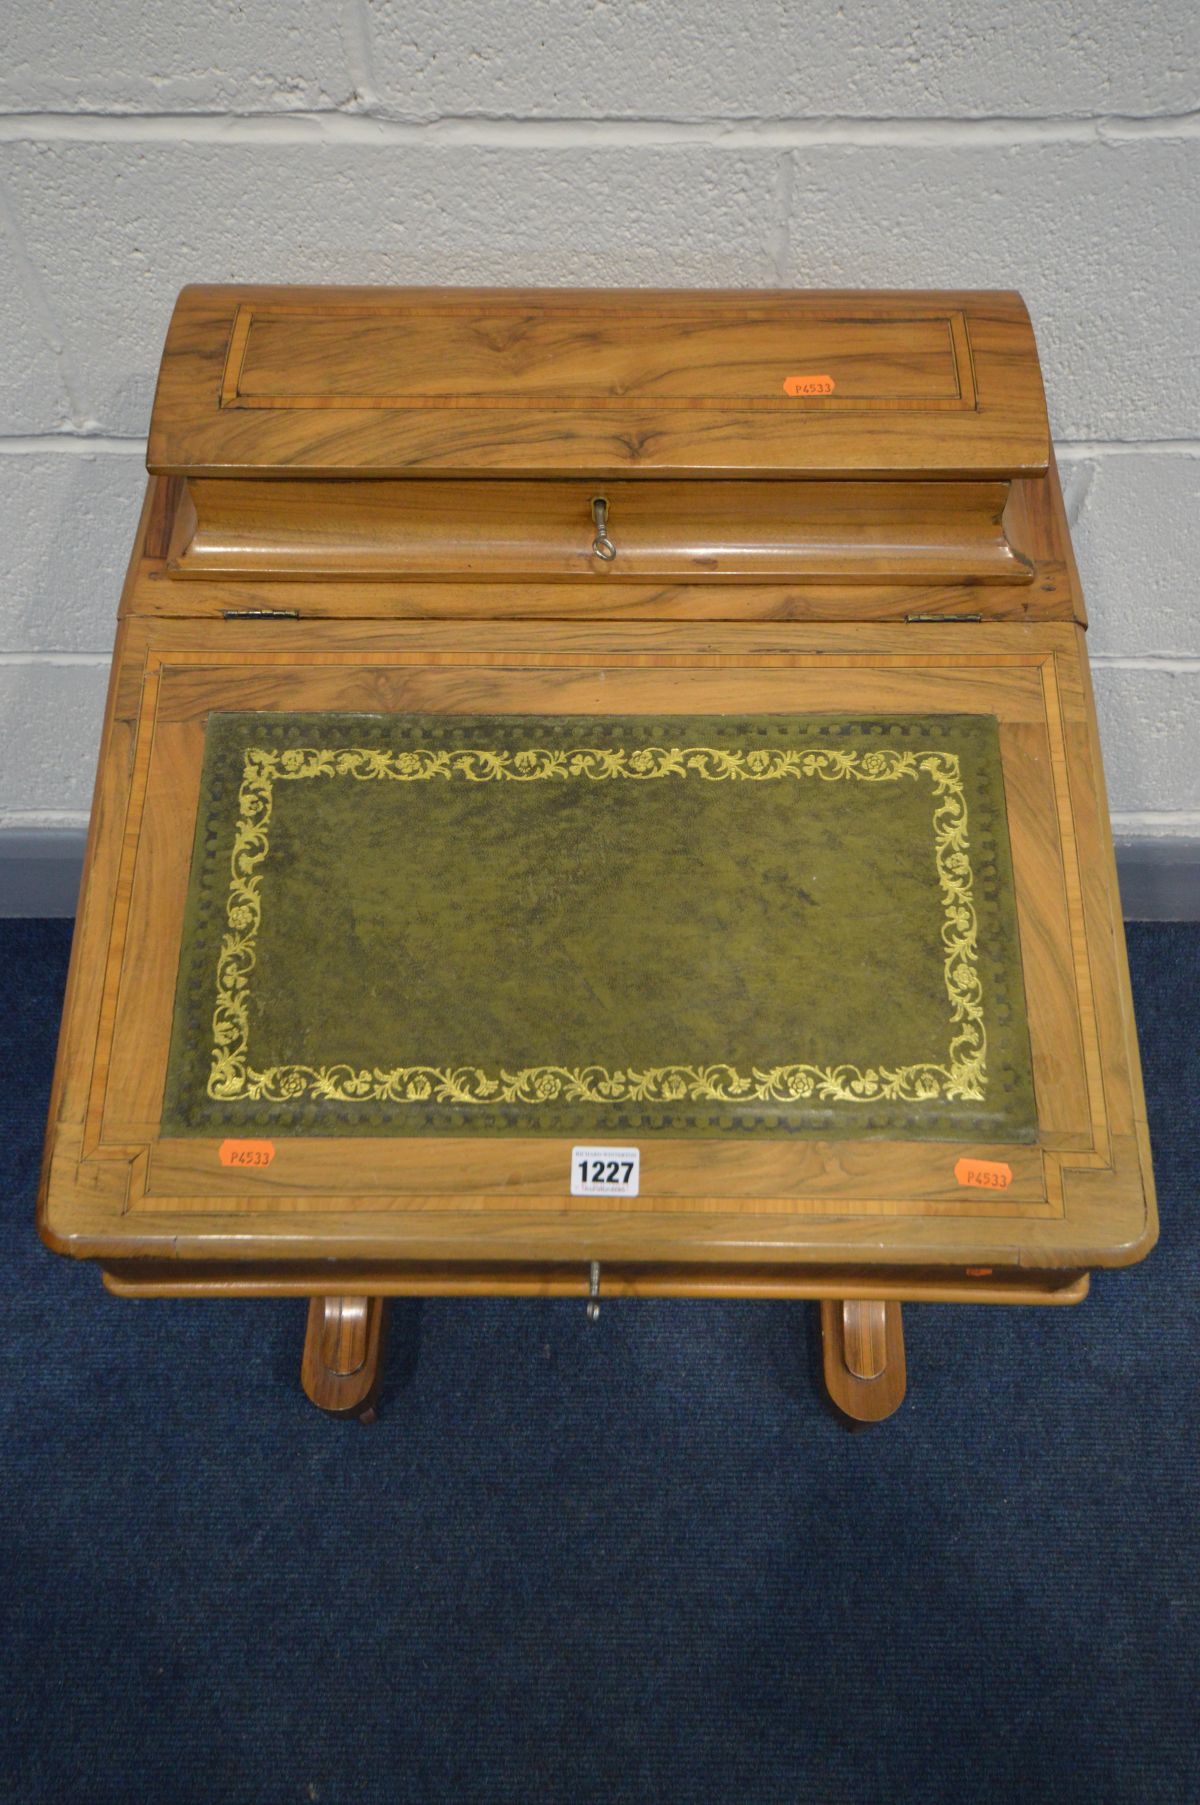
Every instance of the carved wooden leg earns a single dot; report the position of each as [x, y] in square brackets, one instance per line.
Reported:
[863, 1352]
[342, 1367]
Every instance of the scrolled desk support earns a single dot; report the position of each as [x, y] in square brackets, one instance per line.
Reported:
[342, 1368]
[862, 1344]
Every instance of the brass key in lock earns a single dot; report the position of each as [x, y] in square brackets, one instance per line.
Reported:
[602, 545]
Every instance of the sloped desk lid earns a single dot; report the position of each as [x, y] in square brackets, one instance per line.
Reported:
[257, 382]
[423, 903]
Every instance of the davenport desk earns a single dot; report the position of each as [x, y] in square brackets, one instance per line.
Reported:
[600, 795]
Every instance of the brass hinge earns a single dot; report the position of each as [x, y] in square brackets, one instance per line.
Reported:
[942, 617]
[260, 614]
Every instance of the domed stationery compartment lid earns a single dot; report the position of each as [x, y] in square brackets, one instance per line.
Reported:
[336, 382]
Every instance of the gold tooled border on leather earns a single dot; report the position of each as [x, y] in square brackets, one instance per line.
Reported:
[961, 1077]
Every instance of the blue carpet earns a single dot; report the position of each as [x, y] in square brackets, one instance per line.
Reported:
[630, 1562]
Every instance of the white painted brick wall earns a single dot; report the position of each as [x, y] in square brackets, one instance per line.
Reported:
[69, 524]
[182, 56]
[1134, 516]
[52, 708]
[1043, 145]
[780, 59]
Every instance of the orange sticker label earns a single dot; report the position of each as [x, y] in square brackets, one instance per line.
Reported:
[808, 385]
[991, 1175]
[247, 1153]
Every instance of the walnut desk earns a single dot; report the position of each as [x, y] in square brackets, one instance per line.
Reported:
[600, 795]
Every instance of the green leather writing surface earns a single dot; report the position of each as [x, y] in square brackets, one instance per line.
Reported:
[601, 928]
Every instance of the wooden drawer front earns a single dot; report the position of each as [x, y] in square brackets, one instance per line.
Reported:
[752, 532]
[224, 1278]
